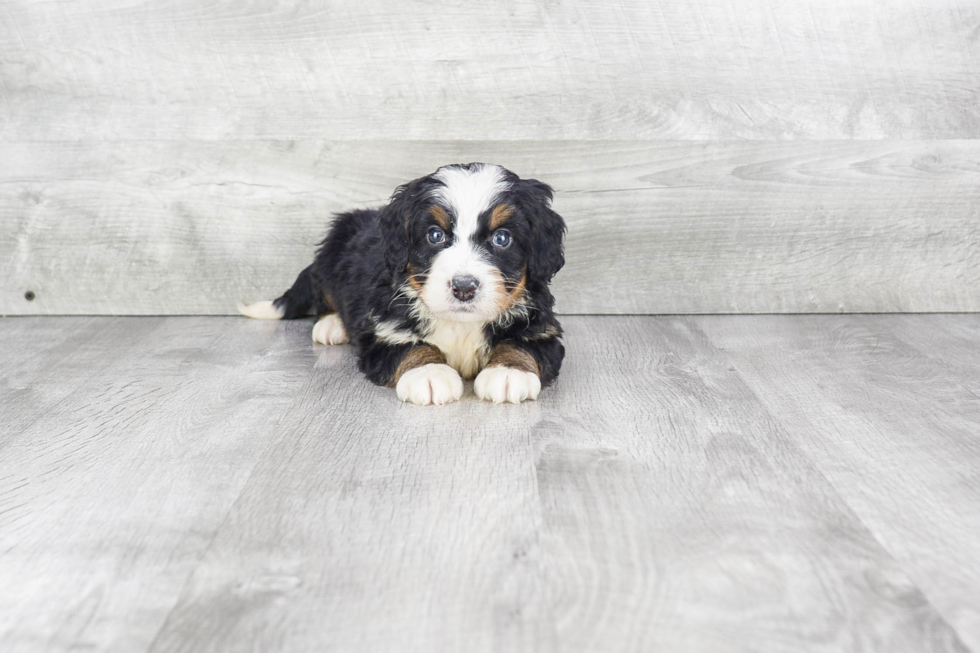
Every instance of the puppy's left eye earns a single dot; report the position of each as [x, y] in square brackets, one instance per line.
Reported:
[501, 239]
[436, 235]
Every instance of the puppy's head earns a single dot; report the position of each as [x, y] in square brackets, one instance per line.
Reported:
[470, 242]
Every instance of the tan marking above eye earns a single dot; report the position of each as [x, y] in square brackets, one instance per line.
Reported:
[439, 215]
[501, 214]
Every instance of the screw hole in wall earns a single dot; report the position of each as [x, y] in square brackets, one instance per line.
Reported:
[29, 295]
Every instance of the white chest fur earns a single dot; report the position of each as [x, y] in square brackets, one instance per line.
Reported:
[463, 343]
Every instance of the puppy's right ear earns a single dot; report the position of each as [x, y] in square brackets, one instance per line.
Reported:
[395, 223]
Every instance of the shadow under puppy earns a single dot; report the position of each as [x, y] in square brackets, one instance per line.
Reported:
[448, 281]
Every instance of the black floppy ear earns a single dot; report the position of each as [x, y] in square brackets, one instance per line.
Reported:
[395, 223]
[547, 229]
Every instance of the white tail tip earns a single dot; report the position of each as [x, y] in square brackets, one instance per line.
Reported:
[261, 311]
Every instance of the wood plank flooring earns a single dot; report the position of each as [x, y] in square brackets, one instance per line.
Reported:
[712, 483]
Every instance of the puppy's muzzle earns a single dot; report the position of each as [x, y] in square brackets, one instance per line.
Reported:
[464, 287]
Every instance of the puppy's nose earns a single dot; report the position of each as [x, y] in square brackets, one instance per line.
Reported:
[464, 287]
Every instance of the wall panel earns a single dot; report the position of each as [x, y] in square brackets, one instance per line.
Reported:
[511, 70]
[147, 227]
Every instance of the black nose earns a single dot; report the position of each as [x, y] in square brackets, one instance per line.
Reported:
[464, 287]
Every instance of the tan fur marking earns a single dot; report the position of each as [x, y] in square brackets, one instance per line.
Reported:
[412, 280]
[510, 355]
[417, 357]
[551, 331]
[440, 216]
[511, 296]
[517, 292]
[501, 214]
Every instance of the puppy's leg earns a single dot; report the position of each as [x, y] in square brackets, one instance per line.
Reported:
[419, 373]
[329, 330]
[516, 370]
[424, 378]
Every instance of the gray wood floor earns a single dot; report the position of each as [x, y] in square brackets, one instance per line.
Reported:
[756, 483]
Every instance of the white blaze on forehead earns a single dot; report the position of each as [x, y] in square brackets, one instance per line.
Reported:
[469, 193]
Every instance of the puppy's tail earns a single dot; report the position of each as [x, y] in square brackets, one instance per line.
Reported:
[295, 302]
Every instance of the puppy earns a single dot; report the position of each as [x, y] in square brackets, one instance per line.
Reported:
[448, 281]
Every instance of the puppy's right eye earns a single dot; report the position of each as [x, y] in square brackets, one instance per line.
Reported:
[436, 235]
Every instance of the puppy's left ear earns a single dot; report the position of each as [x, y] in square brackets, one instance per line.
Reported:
[547, 229]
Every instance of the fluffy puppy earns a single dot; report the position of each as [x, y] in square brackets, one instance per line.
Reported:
[448, 281]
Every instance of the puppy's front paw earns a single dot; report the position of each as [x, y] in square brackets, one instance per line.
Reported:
[329, 330]
[500, 384]
[434, 383]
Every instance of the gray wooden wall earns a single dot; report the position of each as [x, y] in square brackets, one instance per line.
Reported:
[710, 155]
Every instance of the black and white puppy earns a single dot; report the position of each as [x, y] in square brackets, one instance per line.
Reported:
[448, 281]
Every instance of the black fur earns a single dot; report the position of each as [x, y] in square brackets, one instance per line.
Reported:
[364, 263]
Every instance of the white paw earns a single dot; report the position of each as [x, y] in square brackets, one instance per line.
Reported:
[329, 330]
[434, 383]
[500, 384]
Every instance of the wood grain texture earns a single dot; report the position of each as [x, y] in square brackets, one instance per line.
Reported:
[630, 69]
[892, 427]
[154, 227]
[224, 485]
[680, 516]
[46, 362]
[952, 344]
[377, 526]
[142, 436]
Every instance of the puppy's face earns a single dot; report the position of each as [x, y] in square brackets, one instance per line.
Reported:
[477, 238]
